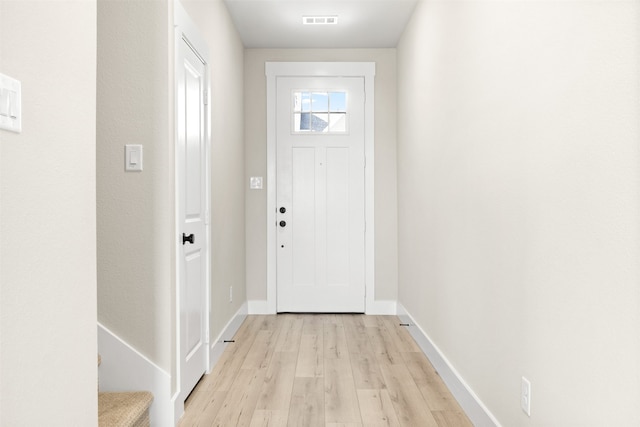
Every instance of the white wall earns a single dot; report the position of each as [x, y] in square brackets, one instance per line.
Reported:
[518, 170]
[386, 273]
[48, 343]
[135, 209]
[227, 158]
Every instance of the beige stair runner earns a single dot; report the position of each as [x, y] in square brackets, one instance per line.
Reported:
[124, 409]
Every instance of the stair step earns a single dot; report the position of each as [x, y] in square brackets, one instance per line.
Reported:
[124, 409]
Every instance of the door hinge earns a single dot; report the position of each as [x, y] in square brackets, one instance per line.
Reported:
[205, 97]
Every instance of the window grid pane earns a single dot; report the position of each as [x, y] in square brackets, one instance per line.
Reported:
[319, 112]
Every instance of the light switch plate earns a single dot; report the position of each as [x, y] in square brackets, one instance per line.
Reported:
[10, 104]
[255, 183]
[133, 157]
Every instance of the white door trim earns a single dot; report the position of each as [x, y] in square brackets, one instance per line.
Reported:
[304, 69]
[185, 29]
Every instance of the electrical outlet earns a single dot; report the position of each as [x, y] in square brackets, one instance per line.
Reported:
[230, 293]
[525, 396]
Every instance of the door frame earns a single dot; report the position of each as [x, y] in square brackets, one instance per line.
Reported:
[367, 70]
[185, 29]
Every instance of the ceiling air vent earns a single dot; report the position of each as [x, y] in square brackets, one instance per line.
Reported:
[319, 20]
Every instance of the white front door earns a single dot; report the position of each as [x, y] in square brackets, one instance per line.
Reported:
[191, 155]
[320, 194]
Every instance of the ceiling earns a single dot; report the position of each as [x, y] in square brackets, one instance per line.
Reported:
[361, 23]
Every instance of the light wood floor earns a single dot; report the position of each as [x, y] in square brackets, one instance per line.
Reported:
[322, 370]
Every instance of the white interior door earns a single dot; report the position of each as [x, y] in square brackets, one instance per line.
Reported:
[191, 155]
[320, 194]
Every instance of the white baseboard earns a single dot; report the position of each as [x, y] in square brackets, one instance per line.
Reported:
[218, 346]
[381, 307]
[477, 412]
[123, 368]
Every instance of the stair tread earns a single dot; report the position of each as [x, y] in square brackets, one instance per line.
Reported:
[122, 408]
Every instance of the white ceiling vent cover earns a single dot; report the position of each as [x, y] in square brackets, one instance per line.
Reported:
[319, 20]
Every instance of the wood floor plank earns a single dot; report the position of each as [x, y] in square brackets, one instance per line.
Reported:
[203, 408]
[311, 356]
[377, 409]
[433, 389]
[383, 347]
[225, 372]
[366, 371]
[238, 407]
[246, 331]
[335, 341]
[289, 333]
[267, 322]
[278, 382]
[399, 335]
[269, 418]
[259, 355]
[340, 400]
[451, 419]
[313, 324]
[307, 403]
[332, 318]
[370, 321]
[407, 399]
[194, 399]
[354, 329]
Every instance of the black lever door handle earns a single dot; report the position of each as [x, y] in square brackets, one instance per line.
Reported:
[188, 238]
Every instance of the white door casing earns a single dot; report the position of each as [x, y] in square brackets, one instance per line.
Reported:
[274, 70]
[320, 194]
[192, 143]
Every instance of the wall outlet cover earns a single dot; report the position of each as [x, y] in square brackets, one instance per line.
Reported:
[10, 104]
[525, 396]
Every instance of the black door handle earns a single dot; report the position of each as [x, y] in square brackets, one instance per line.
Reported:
[188, 238]
[282, 223]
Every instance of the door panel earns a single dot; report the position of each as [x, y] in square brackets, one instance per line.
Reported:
[337, 214]
[303, 215]
[191, 152]
[320, 185]
[194, 295]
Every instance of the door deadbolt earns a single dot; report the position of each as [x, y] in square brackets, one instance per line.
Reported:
[283, 209]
